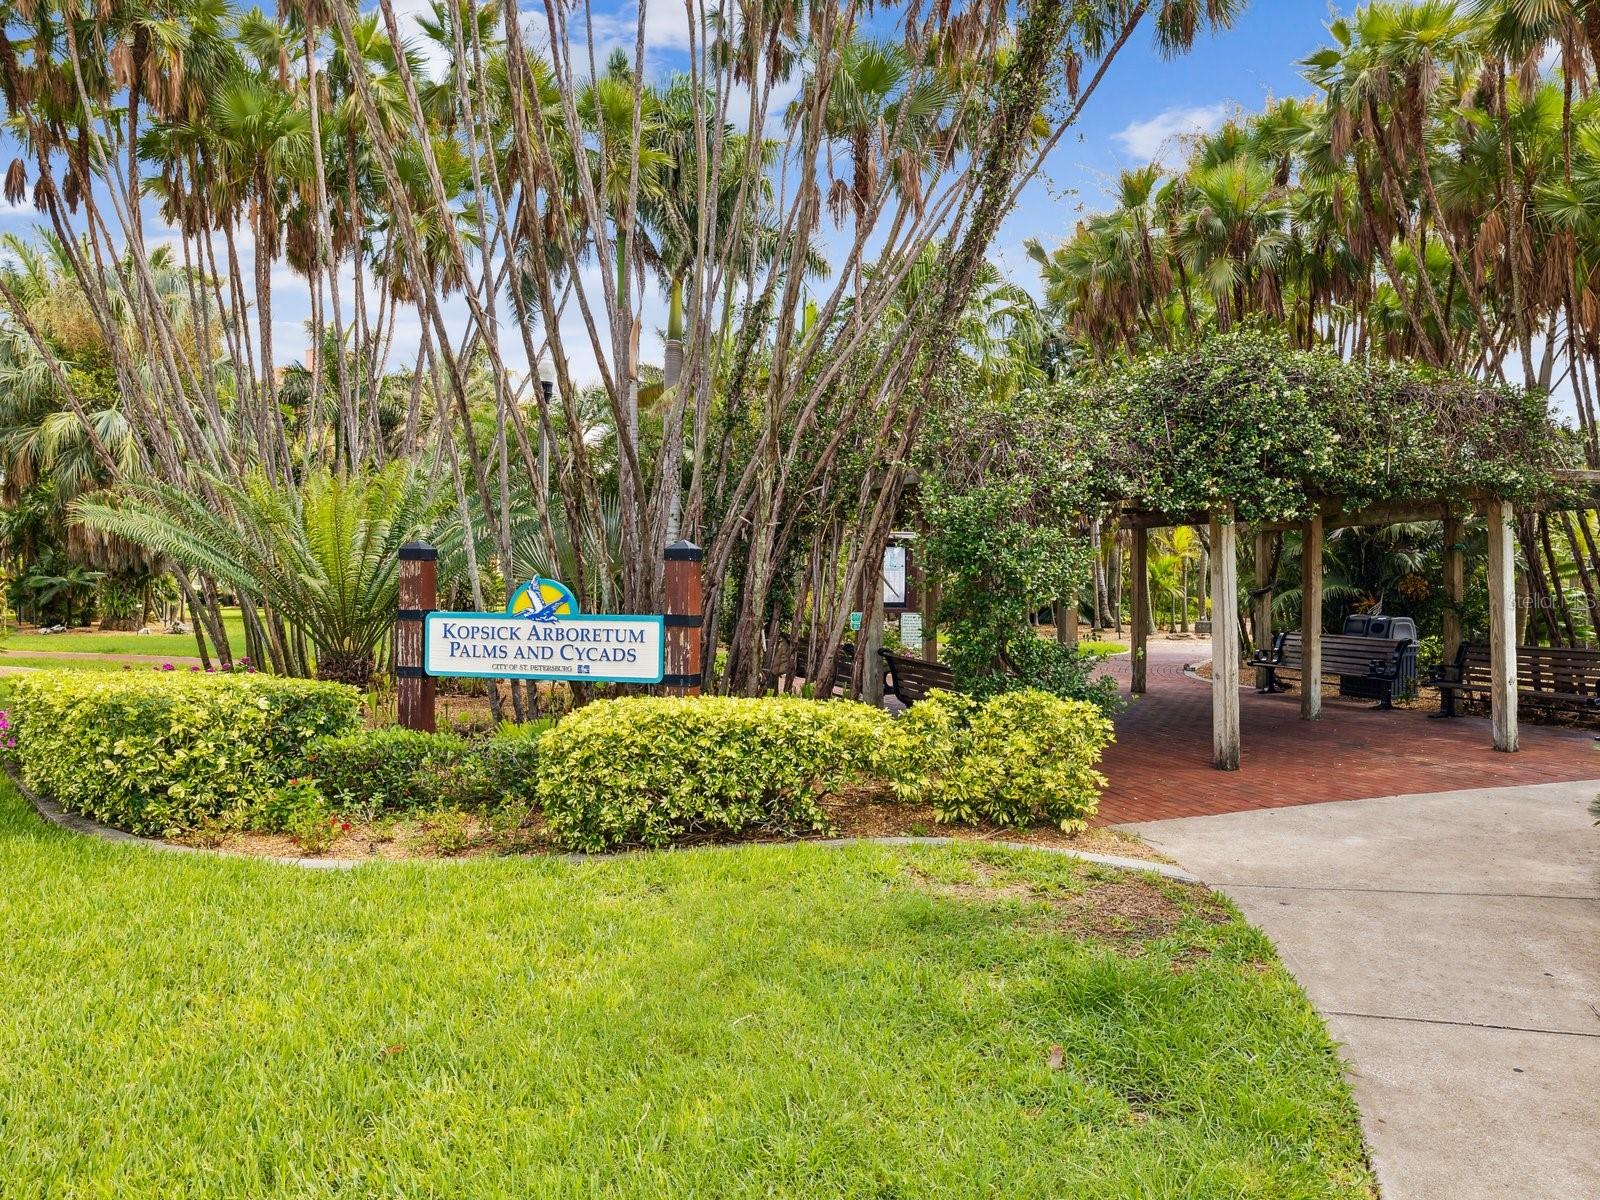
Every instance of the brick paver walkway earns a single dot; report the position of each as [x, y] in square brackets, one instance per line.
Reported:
[1160, 766]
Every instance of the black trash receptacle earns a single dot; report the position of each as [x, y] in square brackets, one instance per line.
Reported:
[1376, 625]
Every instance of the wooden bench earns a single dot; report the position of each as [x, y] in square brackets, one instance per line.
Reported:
[1343, 655]
[912, 679]
[844, 665]
[1554, 677]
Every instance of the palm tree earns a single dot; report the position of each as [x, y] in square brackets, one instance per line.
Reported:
[264, 136]
[322, 558]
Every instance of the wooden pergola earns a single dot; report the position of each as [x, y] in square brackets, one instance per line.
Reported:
[1225, 662]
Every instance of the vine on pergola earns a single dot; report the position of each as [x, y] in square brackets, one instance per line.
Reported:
[1245, 420]
[1013, 485]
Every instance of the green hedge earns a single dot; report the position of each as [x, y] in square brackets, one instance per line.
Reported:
[649, 771]
[398, 769]
[1014, 759]
[155, 753]
[152, 753]
[395, 769]
[655, 771]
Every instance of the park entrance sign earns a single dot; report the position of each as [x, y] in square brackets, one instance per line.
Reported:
[543, 635]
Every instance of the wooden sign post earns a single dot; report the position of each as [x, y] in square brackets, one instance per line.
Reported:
[419, 594]
[685, 620]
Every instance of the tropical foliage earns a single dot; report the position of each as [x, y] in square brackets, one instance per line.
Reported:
[321, 557]
[464, 184]
[1430, 202]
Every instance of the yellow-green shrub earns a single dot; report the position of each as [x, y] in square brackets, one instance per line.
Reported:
[152, 752]
[1010, 759]
[652, 770]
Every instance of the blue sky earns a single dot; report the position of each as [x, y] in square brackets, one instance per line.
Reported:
[1146, 103]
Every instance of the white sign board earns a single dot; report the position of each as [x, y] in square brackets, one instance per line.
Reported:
[911, 632]
[592, 649]
[894, 576]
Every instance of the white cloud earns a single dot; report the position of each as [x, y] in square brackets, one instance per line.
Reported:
[666, 27]
[1162, 135]
[407, 14]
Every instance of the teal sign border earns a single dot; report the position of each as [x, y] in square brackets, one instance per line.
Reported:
[661, 659]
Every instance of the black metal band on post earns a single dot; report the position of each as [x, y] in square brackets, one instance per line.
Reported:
[683, 552]
[419, 552]
[408, 672]
[412, 614]
[684, 620]
[681, 681]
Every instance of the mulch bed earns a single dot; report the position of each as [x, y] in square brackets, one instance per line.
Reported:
[408, 838]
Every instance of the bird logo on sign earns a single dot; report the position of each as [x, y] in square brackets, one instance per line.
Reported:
[542, 599]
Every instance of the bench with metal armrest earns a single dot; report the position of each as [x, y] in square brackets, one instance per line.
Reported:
[1343, 655]
[1566, 678]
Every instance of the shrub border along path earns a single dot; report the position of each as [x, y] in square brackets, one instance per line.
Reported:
[77, 823]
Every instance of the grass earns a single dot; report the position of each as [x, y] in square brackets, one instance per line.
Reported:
[764, 1021]
[46, 663]
[1103, 647]
[167, 645]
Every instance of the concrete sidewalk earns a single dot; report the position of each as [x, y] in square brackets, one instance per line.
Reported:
[1452, 942]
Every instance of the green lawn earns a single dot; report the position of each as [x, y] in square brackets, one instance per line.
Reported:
[766, 1021]
[45, 663]
[1103, 647]
[167, 645]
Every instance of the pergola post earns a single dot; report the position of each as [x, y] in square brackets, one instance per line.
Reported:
[1067, 620]
[1311, 538]
[1224, 640]
[1262, 616]
[1502, 626]
[1455, 586]
[1139, 574]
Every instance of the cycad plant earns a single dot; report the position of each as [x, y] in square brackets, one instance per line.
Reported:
[321, 558]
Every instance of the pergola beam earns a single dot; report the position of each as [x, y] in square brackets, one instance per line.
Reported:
[1335, 516]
